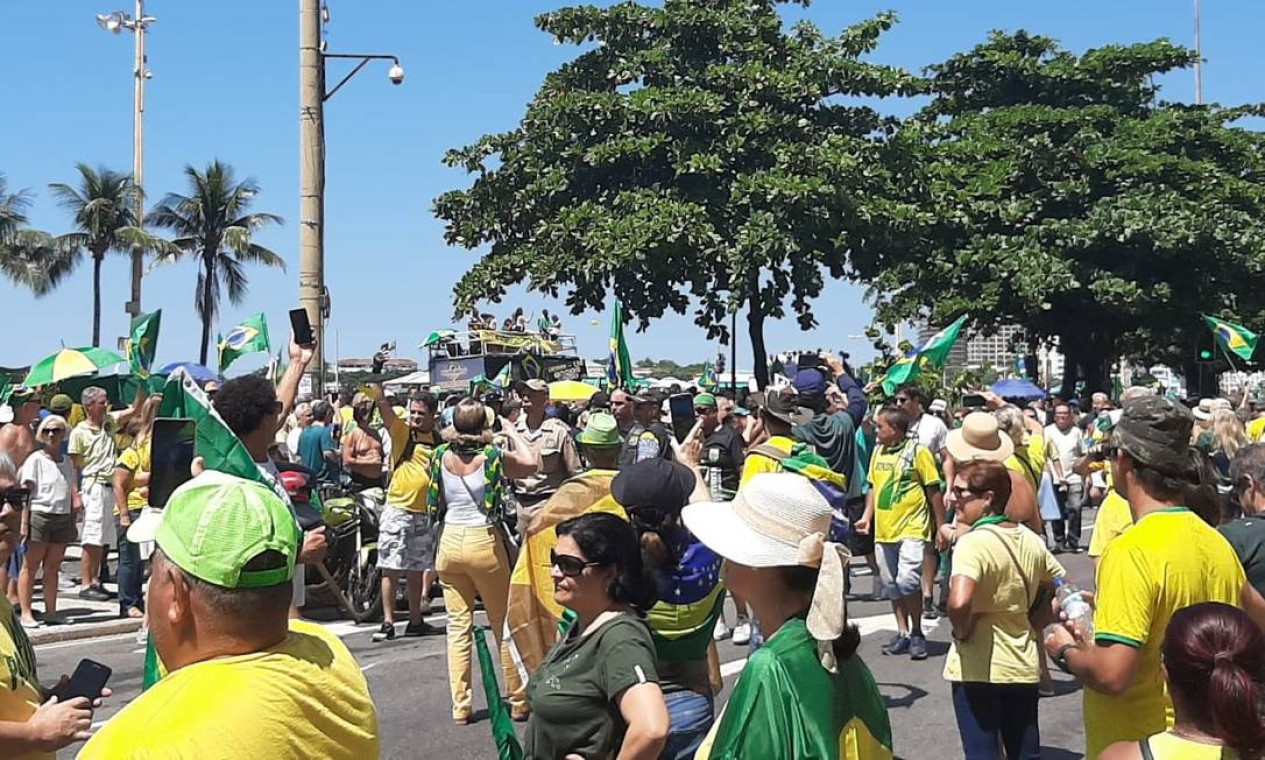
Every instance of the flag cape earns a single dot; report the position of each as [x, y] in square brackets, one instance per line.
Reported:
[1234, 339]
[619, 366]
[251, 336]
[142, 341]
[931, 354]
[532, 615]
[507, 746]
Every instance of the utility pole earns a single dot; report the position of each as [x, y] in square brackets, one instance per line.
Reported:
[1199, 57]
[312, 181]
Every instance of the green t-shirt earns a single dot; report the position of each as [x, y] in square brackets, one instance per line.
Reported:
[1247, 536]
[573, 694]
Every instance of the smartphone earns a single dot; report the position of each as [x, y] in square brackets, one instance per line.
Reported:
[88, 680]
[681, 409]
[974, 401]
[171, 457]
[302, 328]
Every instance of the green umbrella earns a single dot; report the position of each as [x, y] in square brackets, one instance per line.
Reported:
[437, 336]
[70, 362]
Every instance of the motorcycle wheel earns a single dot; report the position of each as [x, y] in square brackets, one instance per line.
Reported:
[364, 589]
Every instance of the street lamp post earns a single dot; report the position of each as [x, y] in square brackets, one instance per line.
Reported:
[1199, 56]
[313, 294]
[115, 23]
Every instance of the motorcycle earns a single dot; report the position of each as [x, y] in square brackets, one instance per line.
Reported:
[349, 577]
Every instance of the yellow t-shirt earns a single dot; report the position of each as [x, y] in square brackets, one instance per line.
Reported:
[410, 475]
[756, 464]
[305, 697]
[901, 506]
[19, 687]
[136, 459]
[1029, 461]
[1002, 648]
[1169, 560]
[1256, 429]
[1114, 517]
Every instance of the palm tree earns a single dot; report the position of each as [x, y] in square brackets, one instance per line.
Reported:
[104, 210]
[27, 256]
[213, 224]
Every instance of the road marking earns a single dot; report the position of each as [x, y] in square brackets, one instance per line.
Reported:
[370, 665]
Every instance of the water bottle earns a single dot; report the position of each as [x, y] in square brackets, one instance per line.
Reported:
[1073, 604]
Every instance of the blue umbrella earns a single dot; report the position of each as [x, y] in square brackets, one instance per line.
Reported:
[198, 372]
[1015, 387]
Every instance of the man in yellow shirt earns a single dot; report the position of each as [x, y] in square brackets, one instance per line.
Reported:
[905, 509]
[242, 679]
[406, 546]
[32, 725]
[1168, 560]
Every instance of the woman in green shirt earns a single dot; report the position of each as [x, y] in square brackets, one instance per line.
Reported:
[597, 693]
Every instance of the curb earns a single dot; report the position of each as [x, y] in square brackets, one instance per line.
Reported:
[76, 632]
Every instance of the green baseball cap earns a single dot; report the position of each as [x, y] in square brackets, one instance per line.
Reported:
[602, 430]
[705, 399]
[60, 404]
[216, 524]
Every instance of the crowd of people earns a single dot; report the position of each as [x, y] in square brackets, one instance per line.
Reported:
[636, 533]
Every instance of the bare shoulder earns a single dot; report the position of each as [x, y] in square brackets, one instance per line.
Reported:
[1122, 751]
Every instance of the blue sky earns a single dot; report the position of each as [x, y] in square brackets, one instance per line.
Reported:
[226, 86]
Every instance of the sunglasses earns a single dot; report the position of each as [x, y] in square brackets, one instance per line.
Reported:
[16, 497]
[568, 565]
[701, 410]
[901, 399]
[961, 493]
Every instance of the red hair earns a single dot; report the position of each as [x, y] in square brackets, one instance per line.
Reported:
[1215, 657]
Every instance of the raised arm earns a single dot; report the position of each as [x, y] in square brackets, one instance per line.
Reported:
[288, 388]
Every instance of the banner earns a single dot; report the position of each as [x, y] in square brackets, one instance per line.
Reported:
[618, 366]
[142, 341]
[249, 337]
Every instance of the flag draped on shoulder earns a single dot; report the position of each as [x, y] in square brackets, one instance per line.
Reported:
[931, 354]
[1234, 339]
[250, 337]
[619, 366]
[142, 341]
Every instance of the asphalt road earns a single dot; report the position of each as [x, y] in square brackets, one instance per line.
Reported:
[408, 680]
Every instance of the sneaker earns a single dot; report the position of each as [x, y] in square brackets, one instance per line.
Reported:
[721, 631]
[31, 624]
[929, 611]
[142, 636]
[422, 629]
[742, 634]
[56, 618]
[917, 647]
[385, 633]
[1073, 547]
[1058, 548]
[898, 645]
[65, 584]
[94, 594]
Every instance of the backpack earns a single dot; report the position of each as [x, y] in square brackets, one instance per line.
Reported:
[803, 460]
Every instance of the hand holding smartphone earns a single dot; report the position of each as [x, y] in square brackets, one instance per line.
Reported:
[302, 328]
[88, 681]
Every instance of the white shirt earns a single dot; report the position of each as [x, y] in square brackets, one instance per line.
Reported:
[461, 509]
[931, 432]
[1069, 446]
[50, 482]
[292, 443]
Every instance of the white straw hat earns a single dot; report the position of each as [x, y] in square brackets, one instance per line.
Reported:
[979, 437]
[781, 520]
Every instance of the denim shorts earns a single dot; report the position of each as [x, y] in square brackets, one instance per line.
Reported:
[900, 567]
[690, 717]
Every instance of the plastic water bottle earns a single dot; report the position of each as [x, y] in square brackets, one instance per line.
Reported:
[1073, 604]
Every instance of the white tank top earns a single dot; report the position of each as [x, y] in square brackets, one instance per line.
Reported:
[463, 511]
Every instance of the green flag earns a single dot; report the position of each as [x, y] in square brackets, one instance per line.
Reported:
[507, 746]
[142, 342]
[618, 366]
[1234, 339]
[930, 355]
[249, 337]
[707, 379]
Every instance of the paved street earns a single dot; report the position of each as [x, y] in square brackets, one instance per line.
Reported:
[408, 679]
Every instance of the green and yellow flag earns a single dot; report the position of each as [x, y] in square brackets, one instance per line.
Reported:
[249, 337]
[930, 355]
[1234, 339]
[619, 366]
[142, 341]
[707, 379]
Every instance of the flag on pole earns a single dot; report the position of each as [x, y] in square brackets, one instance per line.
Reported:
[619, 366]
[142, 342]
[707, 379]
[1234, 339]
[931, 354]
[249, 337]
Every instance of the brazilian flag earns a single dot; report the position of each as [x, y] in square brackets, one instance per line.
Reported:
[1233, 339]
[250, 337]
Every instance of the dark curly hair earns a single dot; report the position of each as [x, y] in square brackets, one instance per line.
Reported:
[611, 541]
[244, 403]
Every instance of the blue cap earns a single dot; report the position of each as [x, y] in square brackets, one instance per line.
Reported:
[810, 382]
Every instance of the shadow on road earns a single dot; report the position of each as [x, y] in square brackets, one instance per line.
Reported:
[912, 694]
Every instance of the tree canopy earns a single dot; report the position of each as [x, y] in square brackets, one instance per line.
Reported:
[698, 155]
[1062, 195]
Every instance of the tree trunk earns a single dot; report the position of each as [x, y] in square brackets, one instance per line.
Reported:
[1068, 384]
[97, 260]
[755, 329]
[207, 313]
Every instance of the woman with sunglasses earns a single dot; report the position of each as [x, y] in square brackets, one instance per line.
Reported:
[994, 662]
[597, 693]
[48, 526]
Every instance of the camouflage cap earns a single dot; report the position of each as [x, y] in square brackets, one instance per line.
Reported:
[1155, 431]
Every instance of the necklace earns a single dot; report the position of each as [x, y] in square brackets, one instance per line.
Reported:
[1196, 736]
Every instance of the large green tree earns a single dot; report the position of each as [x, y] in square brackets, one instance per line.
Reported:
[699, 156]
[1064, 196]
[25, 253]
[102, 206]
[214, 225]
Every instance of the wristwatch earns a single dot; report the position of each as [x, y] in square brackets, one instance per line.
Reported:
[1060, 658]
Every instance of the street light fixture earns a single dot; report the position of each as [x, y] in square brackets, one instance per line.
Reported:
[114, 23]
[313, 295]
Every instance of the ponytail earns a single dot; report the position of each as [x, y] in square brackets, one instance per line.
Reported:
[1235, 704]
